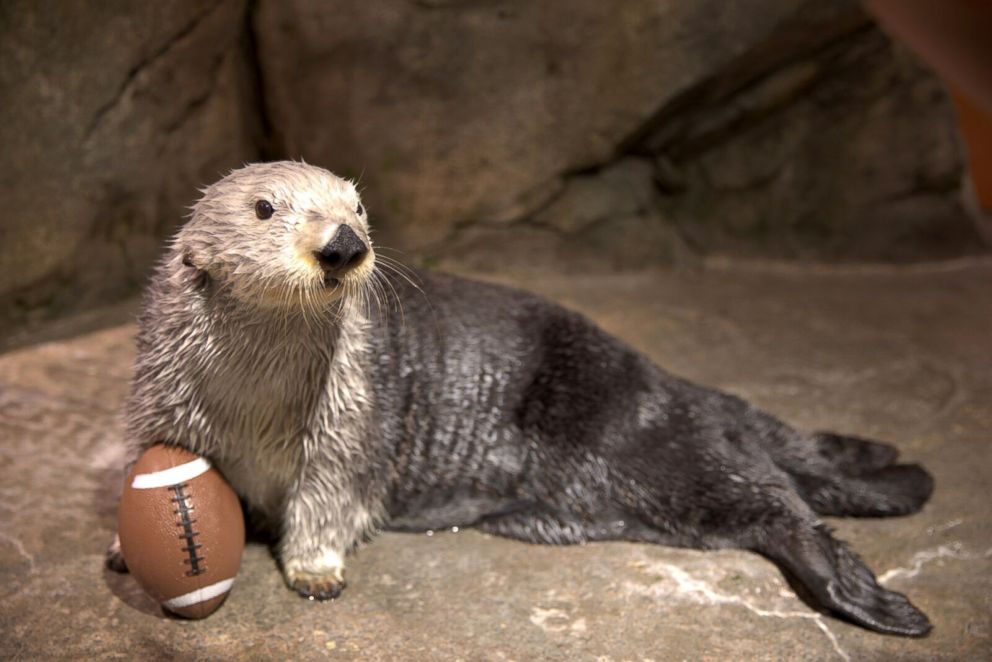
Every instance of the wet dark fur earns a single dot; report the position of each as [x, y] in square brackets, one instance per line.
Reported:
[500, 410]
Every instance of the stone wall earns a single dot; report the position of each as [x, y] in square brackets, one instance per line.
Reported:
[113, 115]
[563, 134]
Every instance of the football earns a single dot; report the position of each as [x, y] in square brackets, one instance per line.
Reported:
[182, 530]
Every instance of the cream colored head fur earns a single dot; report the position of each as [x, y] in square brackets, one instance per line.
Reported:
[270, 262]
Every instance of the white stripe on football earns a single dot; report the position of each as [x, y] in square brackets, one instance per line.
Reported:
[199, 595]
[172, 476]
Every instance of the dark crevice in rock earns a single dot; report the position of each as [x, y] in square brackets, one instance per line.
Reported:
[268, 141]
[145, 62]
[454, 5]
[784, 48]
[528, 218]
[198, 102]
[938, 187]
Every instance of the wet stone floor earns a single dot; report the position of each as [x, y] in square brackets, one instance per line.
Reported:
[903, 355]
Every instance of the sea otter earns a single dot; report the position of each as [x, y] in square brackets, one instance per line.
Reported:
[340, 395]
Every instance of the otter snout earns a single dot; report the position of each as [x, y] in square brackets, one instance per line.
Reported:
[343, 252]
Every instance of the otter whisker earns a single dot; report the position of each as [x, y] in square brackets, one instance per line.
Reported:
[382, 277]
[365, 294]
[312, 296]
[367, 290]
[347, 298]
[381, 297]
[306, 307]
[401, 270]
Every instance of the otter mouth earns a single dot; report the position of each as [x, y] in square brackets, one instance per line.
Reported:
[330, 281]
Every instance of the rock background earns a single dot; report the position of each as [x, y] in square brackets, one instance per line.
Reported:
[560, 135]
[113, 115]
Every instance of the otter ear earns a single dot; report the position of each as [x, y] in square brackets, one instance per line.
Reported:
[198, 276]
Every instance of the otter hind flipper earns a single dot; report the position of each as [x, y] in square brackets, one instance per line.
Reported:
[854, 455]
[849, 476]
[840, 581]
[900, 489]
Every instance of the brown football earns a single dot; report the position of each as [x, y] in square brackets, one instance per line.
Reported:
[182, 530]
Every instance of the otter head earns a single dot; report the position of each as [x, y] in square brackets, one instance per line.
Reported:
[279, 234]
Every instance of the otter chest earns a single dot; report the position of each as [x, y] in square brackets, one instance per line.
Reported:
[261, 410]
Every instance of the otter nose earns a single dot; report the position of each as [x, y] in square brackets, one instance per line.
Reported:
[342, 253]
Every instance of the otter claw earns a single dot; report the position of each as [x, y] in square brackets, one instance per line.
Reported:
[318, 588]
[320, 577]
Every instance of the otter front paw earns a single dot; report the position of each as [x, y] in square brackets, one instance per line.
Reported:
[115, 558]
[317, 579]
[316, 587]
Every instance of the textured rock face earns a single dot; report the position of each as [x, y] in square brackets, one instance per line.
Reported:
[472, 112]
[850, 154]
[112, 117]
[492, 133]
[568, 135]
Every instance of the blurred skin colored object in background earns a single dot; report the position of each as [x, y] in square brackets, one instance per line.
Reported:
[955, 38]
[976, 127]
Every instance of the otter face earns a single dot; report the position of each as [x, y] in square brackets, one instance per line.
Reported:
[280, 234]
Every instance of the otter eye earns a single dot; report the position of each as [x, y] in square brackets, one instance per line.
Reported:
[359, 209]
[263, 209]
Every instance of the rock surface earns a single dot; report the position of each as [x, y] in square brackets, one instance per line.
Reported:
[489, 135]
[897, 354]
[112, 118]
[847, 155]
[579, 135]
[453, 112]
